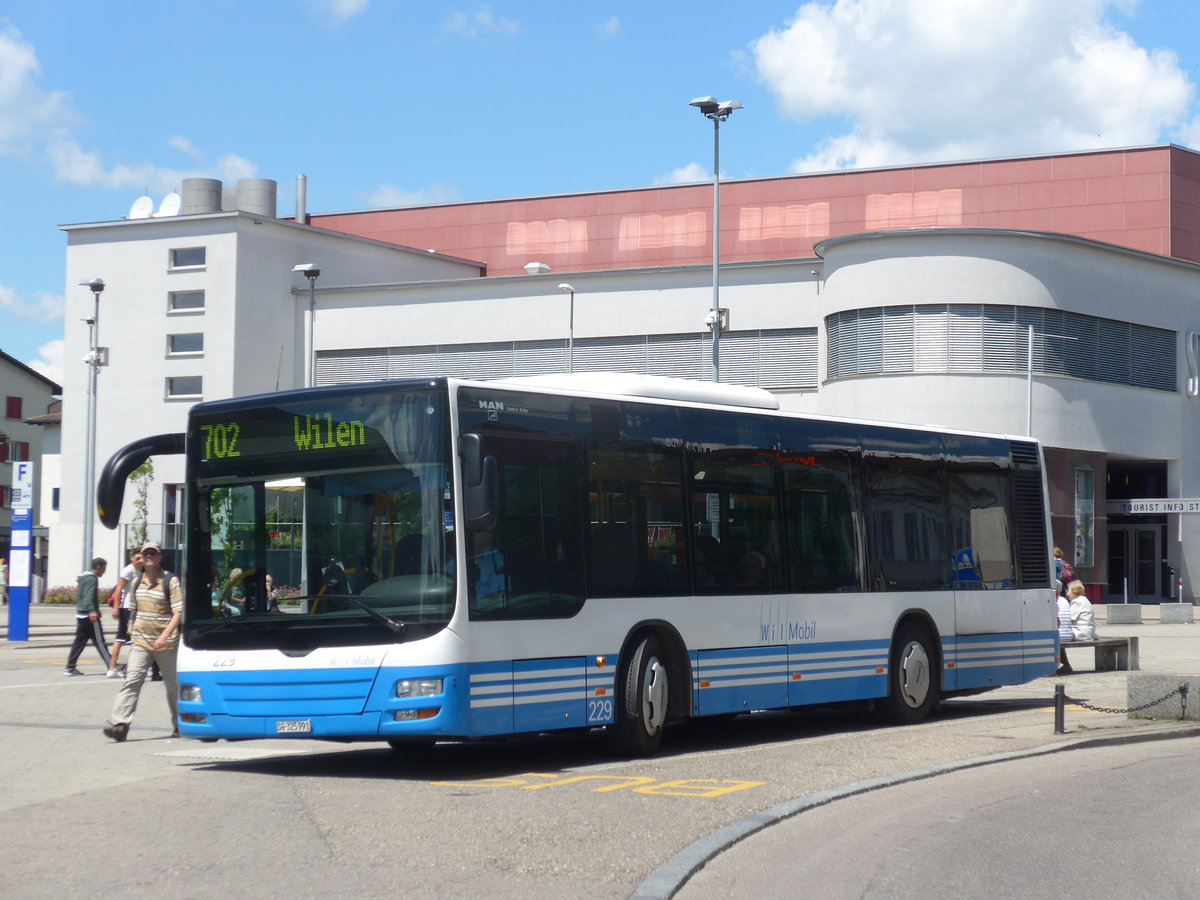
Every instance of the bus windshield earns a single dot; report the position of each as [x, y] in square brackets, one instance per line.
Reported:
[320, 522]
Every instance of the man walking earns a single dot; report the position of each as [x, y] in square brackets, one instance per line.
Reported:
[87, 616]
[157, 609]
[122, 599]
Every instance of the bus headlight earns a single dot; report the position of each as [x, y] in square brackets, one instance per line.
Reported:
[189, 693]
[419, 687]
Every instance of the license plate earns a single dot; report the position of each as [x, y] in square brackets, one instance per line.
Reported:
[293, 726]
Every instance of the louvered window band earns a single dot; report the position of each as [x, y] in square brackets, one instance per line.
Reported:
[775, 359]
[968, 337]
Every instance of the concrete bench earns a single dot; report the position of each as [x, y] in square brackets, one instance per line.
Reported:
[1112, 654]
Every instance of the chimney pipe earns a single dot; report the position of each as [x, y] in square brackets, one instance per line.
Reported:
[302, 199]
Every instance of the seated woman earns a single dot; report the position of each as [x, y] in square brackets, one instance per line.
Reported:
[1065, 632]
[1083, 622]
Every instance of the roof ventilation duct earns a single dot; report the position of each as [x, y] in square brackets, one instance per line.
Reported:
[257, 196]
[201, 195]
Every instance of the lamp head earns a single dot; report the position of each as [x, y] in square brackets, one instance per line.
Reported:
[566, 288]
[310, 270]
[95, 285]
[713, 108]
[536, 268]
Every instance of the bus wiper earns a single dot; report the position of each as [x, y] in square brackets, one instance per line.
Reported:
[394, 624]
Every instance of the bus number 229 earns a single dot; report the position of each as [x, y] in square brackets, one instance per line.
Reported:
[600, 711]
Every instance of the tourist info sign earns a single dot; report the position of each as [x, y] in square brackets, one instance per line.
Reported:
[1153, 507]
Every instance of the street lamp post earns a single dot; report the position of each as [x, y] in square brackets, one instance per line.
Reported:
[311, 272]
[718, 111]
[95, 358]
[570, 326]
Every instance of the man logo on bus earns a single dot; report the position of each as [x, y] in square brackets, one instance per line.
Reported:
[492, 405]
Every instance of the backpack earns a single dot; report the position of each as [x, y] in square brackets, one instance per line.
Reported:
[1066, 572]
[166, 583]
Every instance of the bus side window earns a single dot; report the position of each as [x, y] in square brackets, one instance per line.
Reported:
[635, 520]
[529, 566]
[818, 502]
[735, 509]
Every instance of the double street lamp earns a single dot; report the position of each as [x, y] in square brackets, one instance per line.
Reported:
[97, 356]
[718, 111]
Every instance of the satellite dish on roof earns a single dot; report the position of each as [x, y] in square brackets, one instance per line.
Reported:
[143, 208]
[169, 206]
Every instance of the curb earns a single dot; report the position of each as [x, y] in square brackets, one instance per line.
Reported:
[665, 881]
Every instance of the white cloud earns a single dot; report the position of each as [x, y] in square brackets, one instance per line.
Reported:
[41, 307]
[478, 23]
[388, 197]
[49, 361]
[339, 10]
[26, 110]
[685, 175]
[611, 28]
[186, 147]
[927, 80]
[37, 124]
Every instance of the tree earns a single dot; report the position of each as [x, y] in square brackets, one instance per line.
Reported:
[142, 476]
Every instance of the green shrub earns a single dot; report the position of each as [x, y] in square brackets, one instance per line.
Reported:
[63, 595]
[67, 596]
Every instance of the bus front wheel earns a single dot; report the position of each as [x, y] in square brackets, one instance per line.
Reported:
[642, 699]
[912, 677]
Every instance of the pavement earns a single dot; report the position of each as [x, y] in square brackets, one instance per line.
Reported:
[953, 739]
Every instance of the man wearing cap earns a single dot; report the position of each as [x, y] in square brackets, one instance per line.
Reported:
[157, 609]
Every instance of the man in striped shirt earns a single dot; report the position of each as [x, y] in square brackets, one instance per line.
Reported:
[157, 609]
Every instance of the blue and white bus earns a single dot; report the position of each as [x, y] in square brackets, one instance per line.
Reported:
[481, 559]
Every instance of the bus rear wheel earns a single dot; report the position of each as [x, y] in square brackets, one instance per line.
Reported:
[643, 693]
[912, 677]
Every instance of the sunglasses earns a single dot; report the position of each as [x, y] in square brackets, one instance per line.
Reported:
[149, 553]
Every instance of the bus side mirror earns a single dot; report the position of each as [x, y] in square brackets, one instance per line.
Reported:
[479, 484]
[110, 487]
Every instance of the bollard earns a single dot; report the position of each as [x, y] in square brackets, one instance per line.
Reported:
[1060, 697]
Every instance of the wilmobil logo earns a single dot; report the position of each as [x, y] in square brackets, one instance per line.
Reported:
[777, 627]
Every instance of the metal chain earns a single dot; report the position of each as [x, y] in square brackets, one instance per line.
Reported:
[1182, 690]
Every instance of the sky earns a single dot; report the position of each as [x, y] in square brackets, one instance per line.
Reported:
[384, 103]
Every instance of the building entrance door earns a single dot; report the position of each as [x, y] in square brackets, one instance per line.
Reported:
[1135, 556]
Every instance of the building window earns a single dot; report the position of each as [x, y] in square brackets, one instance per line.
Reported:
[973, 337]
[172, 515]
[185, 301]
[54, 498]
[19, 451]
[4, 496]
[189, 386]
[771, 359]
[187, 257]
[185, 344]
[12, 408]
[1085, 517]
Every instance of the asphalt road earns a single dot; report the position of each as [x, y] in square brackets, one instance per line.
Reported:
[1112, 821]
[539, 817]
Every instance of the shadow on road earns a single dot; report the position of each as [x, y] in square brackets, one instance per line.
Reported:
[556, 752]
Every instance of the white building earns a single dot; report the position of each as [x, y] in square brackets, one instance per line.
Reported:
[901, 295]
[28, 395]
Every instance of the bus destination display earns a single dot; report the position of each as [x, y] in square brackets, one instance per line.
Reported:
[283, 438]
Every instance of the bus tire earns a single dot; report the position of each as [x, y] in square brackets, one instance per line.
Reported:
[643, 694]
[912, 677]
